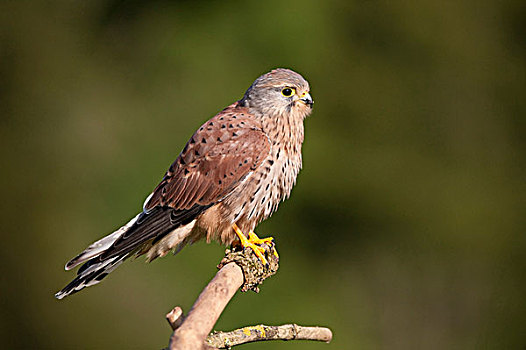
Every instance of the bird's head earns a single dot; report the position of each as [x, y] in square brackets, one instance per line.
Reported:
[281, 92]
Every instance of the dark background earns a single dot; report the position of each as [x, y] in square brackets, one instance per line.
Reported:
[406, 229]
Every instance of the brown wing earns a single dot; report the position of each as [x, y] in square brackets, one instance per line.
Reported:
[217, 157]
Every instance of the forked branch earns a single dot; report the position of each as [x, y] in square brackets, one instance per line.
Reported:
[239, 269]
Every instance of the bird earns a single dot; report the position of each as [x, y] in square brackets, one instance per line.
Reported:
[232, 174]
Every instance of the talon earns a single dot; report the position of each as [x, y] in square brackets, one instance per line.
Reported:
[253, 242]
[256, 240]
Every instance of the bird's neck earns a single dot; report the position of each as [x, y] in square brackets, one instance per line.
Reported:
[285, 130]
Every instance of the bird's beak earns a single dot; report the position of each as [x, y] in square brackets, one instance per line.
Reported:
[307, 99]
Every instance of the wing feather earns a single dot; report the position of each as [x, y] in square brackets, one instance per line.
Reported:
[220, 155]
[211, 164]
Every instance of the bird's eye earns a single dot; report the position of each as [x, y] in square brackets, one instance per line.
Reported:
[287, 92]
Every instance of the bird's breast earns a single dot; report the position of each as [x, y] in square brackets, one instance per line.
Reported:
[260, 192]
[266, 187]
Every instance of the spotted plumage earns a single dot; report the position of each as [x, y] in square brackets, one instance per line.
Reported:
[235, 170]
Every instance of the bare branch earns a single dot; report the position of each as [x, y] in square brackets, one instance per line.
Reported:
[207, 309]
[238, 269]
[225, 340]
[175, 317]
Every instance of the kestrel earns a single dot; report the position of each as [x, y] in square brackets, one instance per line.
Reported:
[232, 174]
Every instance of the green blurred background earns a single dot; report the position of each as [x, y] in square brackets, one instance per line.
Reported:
[406, 229]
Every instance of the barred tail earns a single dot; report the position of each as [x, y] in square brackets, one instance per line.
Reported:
[92, 272]
[89, 274]
[155, 232]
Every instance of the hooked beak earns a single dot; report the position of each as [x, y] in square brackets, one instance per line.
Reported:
[307, 99]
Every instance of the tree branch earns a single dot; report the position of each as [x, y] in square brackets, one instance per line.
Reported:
[238, 269]
[225, 340]
[207, 309]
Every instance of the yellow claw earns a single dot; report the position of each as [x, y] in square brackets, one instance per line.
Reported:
[253, 242]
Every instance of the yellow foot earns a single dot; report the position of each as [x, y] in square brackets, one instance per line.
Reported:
[256, 240]
[253, 242]
[252, 237]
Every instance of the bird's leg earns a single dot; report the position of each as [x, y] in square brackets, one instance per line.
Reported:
[253, 242]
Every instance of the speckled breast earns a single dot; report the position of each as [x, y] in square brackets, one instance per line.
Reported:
[271, 183]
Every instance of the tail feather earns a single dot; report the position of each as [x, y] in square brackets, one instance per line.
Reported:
[94, 270]
[89, 274]
[155, 232]
[100, 246]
